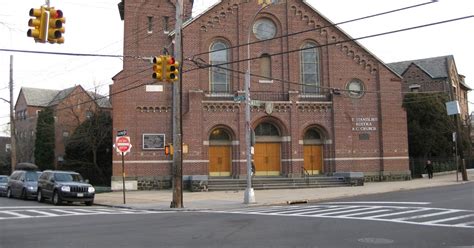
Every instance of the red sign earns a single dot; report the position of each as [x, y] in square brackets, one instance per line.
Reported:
[122, 143]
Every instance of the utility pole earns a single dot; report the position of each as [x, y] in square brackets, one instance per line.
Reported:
[12, 119]
[177, 122]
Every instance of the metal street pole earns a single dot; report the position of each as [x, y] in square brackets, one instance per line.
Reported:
[177, 120]
[249, 195]
[12, 119]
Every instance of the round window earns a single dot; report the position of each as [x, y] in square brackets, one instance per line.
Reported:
[264, 29]
[355, 88]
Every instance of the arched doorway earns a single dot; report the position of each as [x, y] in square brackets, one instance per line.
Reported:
[313, 152]
[267, 154]
[220, 151]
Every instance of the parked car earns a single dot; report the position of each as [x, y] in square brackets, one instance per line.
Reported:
[23, 184]
[3, 185]
[62, 186]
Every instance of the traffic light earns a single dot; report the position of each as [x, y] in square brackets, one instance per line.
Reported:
[38, 24]
[169, 149]
[55, 27]
[159, 64]
[172, 69]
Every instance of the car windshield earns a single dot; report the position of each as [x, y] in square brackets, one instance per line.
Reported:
[31, 176]
[3, 179]
[66, 177]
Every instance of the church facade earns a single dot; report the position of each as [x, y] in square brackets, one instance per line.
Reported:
[321, 103]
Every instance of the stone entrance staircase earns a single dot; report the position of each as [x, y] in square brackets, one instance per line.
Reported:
[259, 183]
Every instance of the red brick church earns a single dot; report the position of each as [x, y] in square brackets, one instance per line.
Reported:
[323, 105]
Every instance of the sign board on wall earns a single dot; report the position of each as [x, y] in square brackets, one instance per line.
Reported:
[364, 124]
[453, 108]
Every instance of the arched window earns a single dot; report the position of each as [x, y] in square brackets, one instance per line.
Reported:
[312, 134]
[219, 75]
[265, 66]
[266, 129]
[220, 135]
[309, 64]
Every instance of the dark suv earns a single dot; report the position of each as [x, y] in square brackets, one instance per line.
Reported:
[62, 186]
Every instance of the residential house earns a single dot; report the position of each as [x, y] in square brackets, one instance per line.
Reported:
[71, 107]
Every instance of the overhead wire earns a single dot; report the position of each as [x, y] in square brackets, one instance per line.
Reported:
[317, 28]
[138, 57]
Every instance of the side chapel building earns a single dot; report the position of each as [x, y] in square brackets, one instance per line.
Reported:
[327, 104]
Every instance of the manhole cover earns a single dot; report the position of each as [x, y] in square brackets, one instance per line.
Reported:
[379, 241]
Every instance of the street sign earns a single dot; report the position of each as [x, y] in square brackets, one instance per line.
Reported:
[239, 98]
[256, 103]
[453, 108]
[122, 144]
[122, 133]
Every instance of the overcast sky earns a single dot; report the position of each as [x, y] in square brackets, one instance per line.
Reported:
[95, 27]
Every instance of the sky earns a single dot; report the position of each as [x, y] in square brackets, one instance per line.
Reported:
[94, 27]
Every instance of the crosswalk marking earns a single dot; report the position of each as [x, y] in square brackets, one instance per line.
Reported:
[411, 214]
[42, 212]
[24, 213]
[450, 219]
[15, 214]
[398, 213]
[428, 215]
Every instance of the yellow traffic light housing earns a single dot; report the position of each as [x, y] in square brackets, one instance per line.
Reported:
[172, 69]
[55, 27]
[39, 24]
[159, 64]
[169, 149]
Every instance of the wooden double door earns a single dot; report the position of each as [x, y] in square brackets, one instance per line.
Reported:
[313, 159]
[220, 161]
[267, 159]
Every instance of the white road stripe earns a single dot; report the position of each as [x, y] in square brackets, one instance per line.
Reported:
[449, 219]
[398, 213]
[15, 214]
[67, 212]
[42, 212]
[326, 210]
[380, 202]
[466, 224]
[427, 215]
[346, 211]
[369, 212]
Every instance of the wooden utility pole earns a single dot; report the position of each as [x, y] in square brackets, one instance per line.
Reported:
[177, 120]
[12, 119]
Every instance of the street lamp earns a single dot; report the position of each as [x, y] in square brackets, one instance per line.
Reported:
[249, 195]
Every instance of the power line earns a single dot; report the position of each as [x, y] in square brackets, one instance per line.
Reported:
[345, 41]
[317, 28]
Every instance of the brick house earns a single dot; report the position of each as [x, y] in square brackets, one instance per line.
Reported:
[323, 108]
[71, 107]
[438, 74]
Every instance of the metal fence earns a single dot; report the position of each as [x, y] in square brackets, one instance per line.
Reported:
[417, 165]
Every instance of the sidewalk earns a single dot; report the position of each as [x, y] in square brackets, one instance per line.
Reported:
[234, 199]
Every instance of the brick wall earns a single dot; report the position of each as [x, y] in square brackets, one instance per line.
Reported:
[381, 149]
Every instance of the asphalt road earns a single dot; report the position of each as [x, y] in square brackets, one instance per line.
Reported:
[437, 217]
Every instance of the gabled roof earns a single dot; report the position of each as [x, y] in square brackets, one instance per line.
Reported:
[45, 98]
[436, 67]
[191, 20]
[38, 97]
[61, 95]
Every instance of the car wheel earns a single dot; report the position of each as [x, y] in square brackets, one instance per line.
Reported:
[9, 193]
[89, 203]
[56, 198]
[40, 197]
